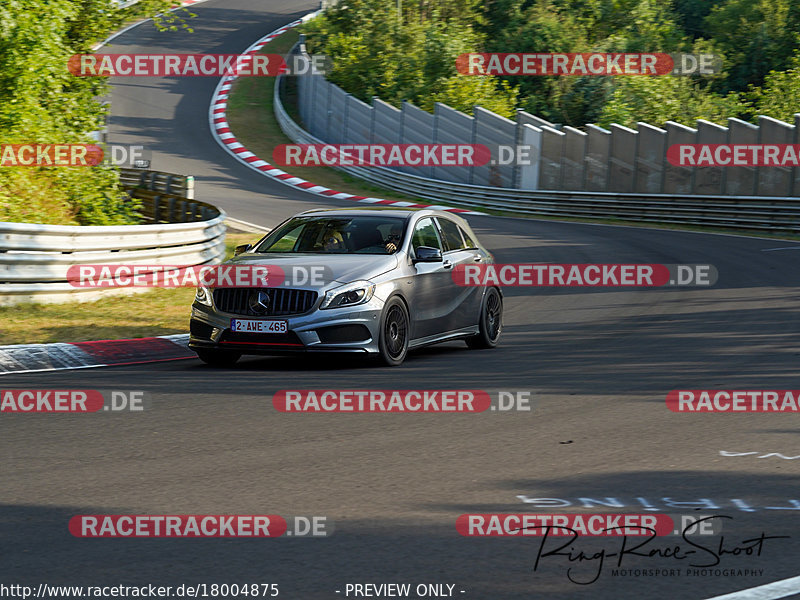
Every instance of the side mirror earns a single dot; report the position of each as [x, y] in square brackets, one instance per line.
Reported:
[243, 248]
[426, 254]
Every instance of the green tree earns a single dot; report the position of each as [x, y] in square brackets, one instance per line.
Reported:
[779, 98]
[756, 36]
[656, 100]
[41, 102]
[578, 26]
[410, 55]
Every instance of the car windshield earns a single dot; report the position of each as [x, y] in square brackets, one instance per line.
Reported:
[336, 235]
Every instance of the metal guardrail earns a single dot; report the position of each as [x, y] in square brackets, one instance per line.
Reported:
[168, 183]
[34, 258]
[762, 213]
[170, 208]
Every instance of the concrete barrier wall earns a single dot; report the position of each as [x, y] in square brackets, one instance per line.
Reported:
[337, 116]
[774, 181]
[678, 180]
[452, 127]
[551, 159]
[741, 181]
[524, 118]
[796, 170]
[573, 164]
[387, 123]
[529, 174]
[417, 129]
[321, 112]
[650, 151]
[618, 159]
[492, 131]
[359, 121]
[710, 180]
[622, 162]
[598, 151]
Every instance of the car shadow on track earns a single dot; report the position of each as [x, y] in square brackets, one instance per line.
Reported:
[339, 362]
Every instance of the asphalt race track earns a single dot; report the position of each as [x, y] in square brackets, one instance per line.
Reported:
[599, 363]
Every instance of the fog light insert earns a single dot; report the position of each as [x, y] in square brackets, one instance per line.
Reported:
[201, 330]
[343, 334]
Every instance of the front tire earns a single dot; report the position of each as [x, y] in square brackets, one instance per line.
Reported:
[218, 358]
[490, 325]
[393, 341]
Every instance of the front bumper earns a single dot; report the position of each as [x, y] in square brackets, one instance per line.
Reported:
[348, 329]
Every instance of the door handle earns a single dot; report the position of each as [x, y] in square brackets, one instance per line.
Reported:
[447, 264]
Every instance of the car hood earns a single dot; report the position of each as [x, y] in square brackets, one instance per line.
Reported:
[337, 269]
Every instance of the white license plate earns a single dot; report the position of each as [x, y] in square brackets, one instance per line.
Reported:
[258, 326]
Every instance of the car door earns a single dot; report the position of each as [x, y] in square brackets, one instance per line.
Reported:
[431, 301]
[458, 251]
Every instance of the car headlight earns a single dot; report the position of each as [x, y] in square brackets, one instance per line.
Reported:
[351, 294]
[203, 296]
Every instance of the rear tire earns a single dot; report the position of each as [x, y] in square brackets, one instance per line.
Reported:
[490, 325]
[395, 329]
[218, 358]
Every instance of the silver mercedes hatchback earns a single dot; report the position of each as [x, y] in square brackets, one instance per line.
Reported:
[375, 281]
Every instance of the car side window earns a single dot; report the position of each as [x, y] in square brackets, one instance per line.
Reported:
[452, 237]
[468, 241]
[425, 234]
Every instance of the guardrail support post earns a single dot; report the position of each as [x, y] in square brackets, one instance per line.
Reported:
[188, 185]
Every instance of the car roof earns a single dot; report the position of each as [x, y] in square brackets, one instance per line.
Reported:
[371, 211]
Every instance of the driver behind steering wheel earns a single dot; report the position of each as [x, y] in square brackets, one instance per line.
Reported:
[393, 239]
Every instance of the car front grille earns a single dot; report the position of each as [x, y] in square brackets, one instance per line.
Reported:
[282, 301]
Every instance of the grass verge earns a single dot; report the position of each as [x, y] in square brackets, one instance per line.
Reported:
[251, 117]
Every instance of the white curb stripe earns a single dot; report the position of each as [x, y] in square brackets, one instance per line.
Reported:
[769, 591]
[36, 358]
[218, 121]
